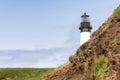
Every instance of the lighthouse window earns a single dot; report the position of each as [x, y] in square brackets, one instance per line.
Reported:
[85, 30]
[85, 19]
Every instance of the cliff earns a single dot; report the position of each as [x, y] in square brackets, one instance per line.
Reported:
[98, 58]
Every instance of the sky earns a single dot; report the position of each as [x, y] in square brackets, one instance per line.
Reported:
[44, 33]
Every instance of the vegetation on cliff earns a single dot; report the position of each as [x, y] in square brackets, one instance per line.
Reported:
[98, 58]
[117, 11]
[99, 67]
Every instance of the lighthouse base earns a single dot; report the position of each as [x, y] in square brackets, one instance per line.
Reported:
[84, 36]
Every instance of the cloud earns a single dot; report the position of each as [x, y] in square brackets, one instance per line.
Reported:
[52, 57]
[35, 58]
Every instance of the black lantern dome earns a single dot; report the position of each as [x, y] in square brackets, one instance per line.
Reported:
[85, 24]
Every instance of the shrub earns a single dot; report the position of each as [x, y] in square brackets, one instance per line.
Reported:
[114, 48]
[117, 40]
[81, 52]
[99, 67]
[117, 11]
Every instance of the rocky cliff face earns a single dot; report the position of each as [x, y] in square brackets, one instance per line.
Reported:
[97, 59]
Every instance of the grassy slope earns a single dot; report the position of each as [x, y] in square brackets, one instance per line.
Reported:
[117, 11]
[23, 73]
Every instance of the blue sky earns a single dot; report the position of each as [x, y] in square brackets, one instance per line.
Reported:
[44, 33]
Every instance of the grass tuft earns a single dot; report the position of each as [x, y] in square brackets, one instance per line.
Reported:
[99, 67]
[117, 11]
[117, 40]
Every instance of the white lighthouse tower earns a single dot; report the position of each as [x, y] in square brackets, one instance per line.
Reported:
[85, 29]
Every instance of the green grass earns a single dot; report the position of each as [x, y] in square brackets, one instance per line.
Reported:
[81, 52]
[99, 67]
[117, 11]
[23, 73]
[114, 49]
[117, 40]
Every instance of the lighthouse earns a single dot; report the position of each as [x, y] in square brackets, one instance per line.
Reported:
[85, 29]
